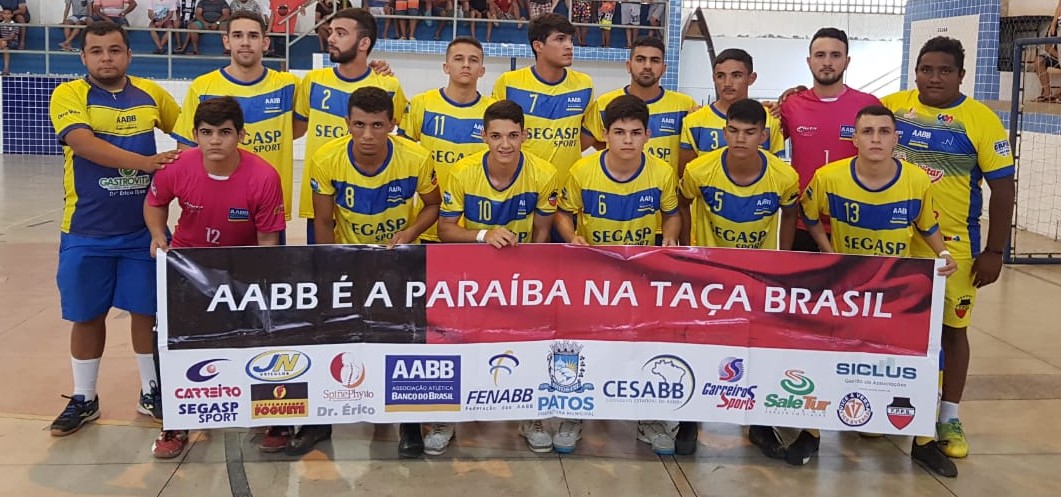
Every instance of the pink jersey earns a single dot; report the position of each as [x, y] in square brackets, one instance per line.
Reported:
[220, 212]
[821, 130]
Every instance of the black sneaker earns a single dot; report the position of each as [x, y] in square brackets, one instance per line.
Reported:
[410, 441]
[151, 403]
[932, 458]
[78, 412]
[302, 442]
[799, 452]
[766, 439]
[685, 441]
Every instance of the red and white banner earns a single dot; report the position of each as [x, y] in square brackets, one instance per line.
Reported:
[337, 334]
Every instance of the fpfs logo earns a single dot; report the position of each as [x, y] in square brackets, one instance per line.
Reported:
[278, 365]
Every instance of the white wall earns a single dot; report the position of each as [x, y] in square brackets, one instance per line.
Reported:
[1028, 7]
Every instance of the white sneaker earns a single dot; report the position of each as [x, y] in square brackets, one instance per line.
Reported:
[538, 439]
[567, 435]
[658, 434]
[437, 439]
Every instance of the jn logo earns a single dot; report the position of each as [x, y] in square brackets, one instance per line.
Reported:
[502, 363]
[796, 383]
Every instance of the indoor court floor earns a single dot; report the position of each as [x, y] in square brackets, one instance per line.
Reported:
[1011, 412]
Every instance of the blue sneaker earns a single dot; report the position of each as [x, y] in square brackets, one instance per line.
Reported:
[151, 403]
[78, 412]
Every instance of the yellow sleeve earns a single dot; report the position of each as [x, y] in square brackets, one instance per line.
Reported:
[413, 120]
[790, 189]
[426, 181]
[688, 185]
[777, 135]
[69, 110]
[182, 131]
[400, 102]
[993, 153]
[168, 110]
[302, 97]
[594, 121]
[926, 220]
[668, 201]
[571, 196]
[547, 193]
[320, 175]
[297, 99]
[687, 135]
[814, 203]
[500, 89]
[453, 197]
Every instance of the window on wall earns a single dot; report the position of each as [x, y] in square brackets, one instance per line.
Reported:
[841, 6]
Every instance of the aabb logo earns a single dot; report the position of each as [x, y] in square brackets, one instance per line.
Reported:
[286, 400]
[854, 409]
[962, 307]
[278, 365]
[203, 370]
[901, 412]
[423, 383]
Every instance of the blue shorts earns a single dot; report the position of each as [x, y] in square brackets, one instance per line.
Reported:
[96, 274]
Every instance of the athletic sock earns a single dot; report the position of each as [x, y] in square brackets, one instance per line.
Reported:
[148, 379]
[86, 372]
[948, 411]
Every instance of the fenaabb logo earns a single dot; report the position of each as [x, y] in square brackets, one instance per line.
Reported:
[901, 412]
[500, 366]
[284, 400]
[203, 370]
[665, 379]
[797, 399]
[567, 367]
[854, 410]
[423, 383]
[278, 365]
[730, 395]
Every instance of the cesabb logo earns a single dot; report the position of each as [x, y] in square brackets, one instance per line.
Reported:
[278, 365]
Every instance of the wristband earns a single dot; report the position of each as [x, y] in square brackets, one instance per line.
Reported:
[481, 237]
[943, 253]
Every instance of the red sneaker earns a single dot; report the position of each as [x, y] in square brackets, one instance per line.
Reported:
[275, 439]
[169, 444]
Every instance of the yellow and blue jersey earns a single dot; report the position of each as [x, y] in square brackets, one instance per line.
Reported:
[370, 208]
[104, 201]
[553, 112]
[470, 195]
[958, 147]
[702, 132]
[871, 222]
[612, 212]
[666, 114]
[322, 98]
[449, 130]
[268, 105]
[738, 216]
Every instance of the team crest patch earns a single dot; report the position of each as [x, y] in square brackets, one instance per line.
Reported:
[566, 369]
[1002, 148]
[237, 214]
[964, 304]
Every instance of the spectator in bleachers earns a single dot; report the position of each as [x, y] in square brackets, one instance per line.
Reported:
[280, 24]
[536, 8]
[506, 9]
[162, 14]
[20, 15]
[581, 12]
[1048, 59]
[185, 15]
[325, 9]
[113, 10]
[251, 5]
[631, 16]
[439, 8]
[605, 17]
[655, 18]
[76, 13]
[210, 15]
[8, 37]
[477, 9]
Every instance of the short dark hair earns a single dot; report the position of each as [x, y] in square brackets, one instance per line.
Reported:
[216, 111]
[834, 33]
[876, 110]
[736, 54]
[747, 111]
[366, 23]
[946, 45]
[103, 28]
[371, 100]
[625, 107]
[247, 14]
[646, 41]
[541, 27]
[467, 40]
[503, 110]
